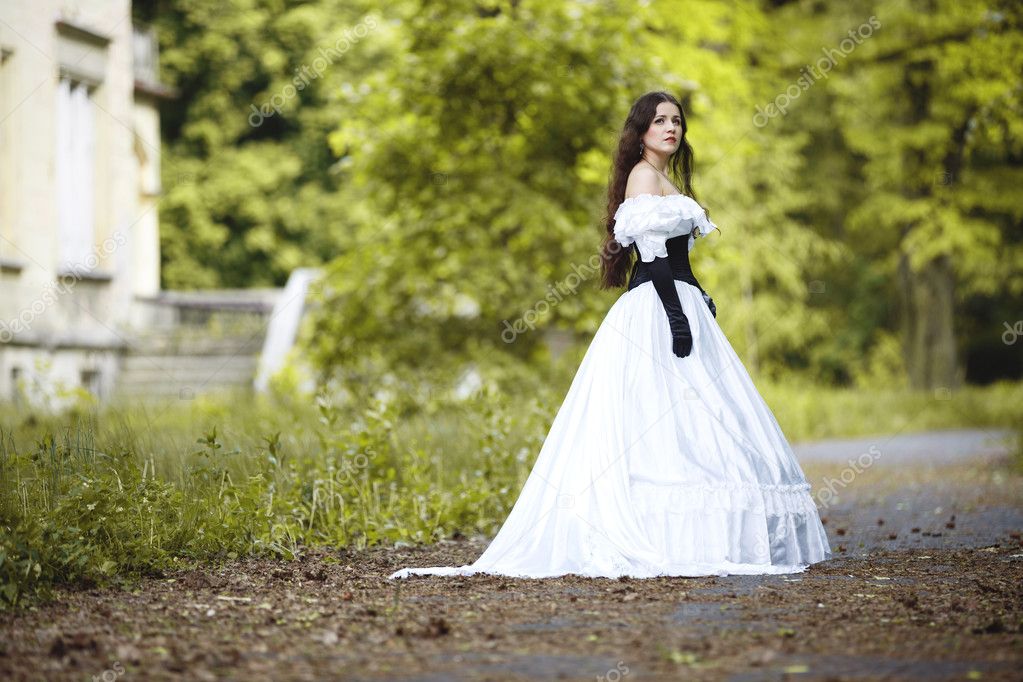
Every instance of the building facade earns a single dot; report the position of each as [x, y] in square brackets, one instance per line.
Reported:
[79, 187]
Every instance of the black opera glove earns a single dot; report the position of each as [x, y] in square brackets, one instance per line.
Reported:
[664, 284]
[710, 304]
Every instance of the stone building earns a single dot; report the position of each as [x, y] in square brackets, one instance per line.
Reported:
[81, 307]
[79, 183]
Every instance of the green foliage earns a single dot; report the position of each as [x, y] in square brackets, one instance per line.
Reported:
[251, 190]
[476, 149]
[807, 411]
[93, 505]
[448, 164]
[102, 497]
[912, 153]
[72, 513]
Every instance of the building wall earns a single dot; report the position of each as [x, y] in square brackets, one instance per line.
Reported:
[59, 318]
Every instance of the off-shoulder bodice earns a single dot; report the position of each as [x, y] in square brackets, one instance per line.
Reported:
[650, 220]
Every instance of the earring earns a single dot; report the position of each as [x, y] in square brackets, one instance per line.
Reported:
[641, 148]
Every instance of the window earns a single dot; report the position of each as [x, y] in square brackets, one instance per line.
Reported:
[90, 381]
[7, 190]
[15, 385]
[75, 165]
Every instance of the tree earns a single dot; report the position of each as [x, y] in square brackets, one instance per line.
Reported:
[482, 145]
[251, 188]
[928, 106]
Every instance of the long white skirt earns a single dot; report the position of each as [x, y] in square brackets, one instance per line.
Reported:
[657, 465]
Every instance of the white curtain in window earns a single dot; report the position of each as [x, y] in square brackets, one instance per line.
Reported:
[65, 191]
[75, 178]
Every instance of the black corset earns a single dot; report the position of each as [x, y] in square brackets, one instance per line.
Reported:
[678, 259]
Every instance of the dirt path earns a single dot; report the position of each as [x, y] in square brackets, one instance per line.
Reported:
[943, 601]
[941, 447]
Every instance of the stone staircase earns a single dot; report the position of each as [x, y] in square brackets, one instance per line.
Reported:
[192, 343]
[167, 367]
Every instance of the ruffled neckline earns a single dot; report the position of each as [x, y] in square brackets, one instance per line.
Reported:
[646, 215]
[655, 196]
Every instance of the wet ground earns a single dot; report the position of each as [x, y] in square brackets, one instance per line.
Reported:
[926, 584]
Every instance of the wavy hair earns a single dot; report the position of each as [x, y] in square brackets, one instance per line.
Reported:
[616, 259]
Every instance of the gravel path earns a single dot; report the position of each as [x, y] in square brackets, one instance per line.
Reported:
[937, 447]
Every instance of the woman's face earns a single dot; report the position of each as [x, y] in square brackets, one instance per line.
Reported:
[665, 130]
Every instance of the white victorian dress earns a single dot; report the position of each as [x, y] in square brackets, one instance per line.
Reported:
[655, 464]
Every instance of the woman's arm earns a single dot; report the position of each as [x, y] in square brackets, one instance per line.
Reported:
[664, 284]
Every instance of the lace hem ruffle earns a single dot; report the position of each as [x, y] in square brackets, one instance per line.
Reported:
[769, 499]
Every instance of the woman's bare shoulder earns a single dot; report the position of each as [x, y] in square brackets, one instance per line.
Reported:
[642, 180]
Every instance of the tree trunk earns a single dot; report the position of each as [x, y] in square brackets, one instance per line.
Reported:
[929, 342]
[928, 296]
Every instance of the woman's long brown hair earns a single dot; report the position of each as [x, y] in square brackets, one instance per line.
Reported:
[616, 259]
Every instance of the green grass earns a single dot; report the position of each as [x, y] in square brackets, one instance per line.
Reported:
[98, 496]
[807, 412]
[106, 495]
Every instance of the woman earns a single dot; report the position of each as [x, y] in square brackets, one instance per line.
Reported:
[663, 459]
